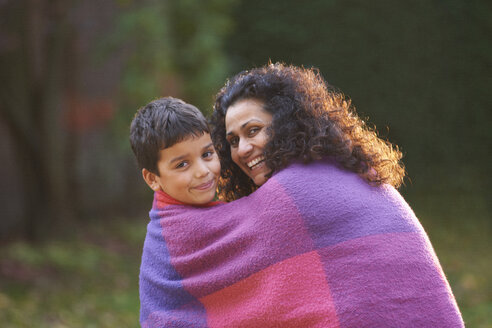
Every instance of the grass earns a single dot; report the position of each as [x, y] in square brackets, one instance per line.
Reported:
[460, 229]
[90, 278]
[82, 280]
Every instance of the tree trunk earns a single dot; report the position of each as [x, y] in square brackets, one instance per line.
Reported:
[30, 105]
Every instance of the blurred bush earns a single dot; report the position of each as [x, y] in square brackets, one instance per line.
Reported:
[420, 71]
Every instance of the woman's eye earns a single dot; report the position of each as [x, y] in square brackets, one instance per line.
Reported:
[253, 130]
[233, 141]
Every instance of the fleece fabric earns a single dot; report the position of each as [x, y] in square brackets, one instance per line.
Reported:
[315, 246]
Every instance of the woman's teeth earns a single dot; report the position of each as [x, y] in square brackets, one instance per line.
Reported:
[255, 161]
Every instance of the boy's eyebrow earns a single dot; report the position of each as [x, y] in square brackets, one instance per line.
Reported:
[246, 123]
[208, 146]
[176, 159]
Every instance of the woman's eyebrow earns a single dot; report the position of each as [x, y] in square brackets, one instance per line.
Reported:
[246, 123]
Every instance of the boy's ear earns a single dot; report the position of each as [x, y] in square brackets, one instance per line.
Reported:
[151, 180]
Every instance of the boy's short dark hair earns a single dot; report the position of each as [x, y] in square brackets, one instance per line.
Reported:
[161, 124]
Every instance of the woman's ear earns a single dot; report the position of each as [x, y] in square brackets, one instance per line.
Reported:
[151, 180]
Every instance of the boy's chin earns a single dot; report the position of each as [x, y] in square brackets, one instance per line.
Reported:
[198, 201]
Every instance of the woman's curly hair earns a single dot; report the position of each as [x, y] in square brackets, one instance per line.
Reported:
[310, 121]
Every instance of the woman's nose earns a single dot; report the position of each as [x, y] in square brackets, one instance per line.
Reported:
[244, 148]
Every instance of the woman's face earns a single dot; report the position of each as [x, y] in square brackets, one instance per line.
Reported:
[246, 125]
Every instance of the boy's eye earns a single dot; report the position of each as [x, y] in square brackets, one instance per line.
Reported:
[207, 154]
[181, 165]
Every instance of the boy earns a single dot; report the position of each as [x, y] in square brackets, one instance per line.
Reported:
[172, 144]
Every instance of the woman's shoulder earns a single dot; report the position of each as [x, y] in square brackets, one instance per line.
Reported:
[328, 183]
[317, 172]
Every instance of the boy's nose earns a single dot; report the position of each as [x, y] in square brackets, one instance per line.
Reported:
[202, 170]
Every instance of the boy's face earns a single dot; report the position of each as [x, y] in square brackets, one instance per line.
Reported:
[189, 171]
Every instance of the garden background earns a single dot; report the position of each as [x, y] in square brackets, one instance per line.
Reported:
[72, 203]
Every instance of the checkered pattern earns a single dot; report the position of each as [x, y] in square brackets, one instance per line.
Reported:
[315, 246]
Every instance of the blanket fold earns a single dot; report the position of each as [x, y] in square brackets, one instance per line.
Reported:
[315, 246]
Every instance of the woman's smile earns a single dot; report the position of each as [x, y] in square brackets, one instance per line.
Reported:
[256, 162]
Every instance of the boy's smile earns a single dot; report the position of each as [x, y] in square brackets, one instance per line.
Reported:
[189, 170]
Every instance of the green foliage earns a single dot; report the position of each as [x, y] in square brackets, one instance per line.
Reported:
[200, 28]
[422, 68]
[171, 48]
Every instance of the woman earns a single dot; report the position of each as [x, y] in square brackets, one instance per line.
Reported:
[308, 122]
[316, 234]
[279, 116]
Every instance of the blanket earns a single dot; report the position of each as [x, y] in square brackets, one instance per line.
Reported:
[315, 246]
